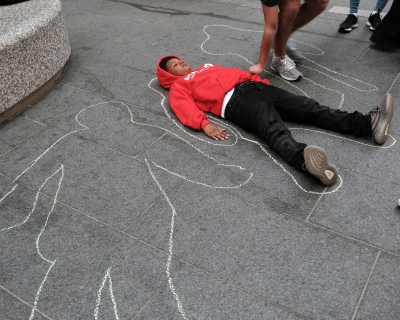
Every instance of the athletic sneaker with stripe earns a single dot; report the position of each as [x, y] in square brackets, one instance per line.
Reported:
[349, 24]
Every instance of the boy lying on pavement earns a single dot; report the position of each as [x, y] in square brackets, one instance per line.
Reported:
[256, 106]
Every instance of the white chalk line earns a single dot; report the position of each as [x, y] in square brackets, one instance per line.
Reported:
[107, 277]
[320, 85]
[187, 142]
[374, 88]
[41, 232]
[201, 183]
[351, 140]
[6, 195]
[36, 160]
[170, 244]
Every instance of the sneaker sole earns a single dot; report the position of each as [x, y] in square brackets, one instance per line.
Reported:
[370, 26]
[348, 29]
[382, 130]
[284, 77]
[317, 164]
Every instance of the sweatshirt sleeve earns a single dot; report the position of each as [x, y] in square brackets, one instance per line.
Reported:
[182, 103]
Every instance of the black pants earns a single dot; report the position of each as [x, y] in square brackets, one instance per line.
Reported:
[262, 108]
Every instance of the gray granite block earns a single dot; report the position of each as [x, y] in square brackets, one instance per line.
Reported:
[11, 308]
[126, 29]
[192, 39]
[313, 272]
[364, 208]
[71, 8]
[78, 17]
[141, 11]
[13, 163]
[238, 11]
[75, 267]
[112, 81]
[381, 300]
[68, 101]
[22, 196]
[111, 124]
[180, 158]
[264, 177]
[335, 74]
[17, 132]
[100, 182]
[34, 46]
[115, 50]
[205, 297]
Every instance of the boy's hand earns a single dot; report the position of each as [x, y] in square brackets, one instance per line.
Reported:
[215, 132]
[257, 69]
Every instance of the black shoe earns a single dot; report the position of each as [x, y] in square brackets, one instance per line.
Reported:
[373, 21]
[349, 24]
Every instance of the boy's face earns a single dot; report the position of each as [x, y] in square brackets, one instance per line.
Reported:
[178, 67]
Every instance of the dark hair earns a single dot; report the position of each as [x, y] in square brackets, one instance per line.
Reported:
[163, 63]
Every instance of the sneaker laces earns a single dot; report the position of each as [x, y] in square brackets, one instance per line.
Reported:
[374, 111]
[375, 114]
[289, 64]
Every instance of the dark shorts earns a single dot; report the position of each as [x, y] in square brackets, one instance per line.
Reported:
[270, 3]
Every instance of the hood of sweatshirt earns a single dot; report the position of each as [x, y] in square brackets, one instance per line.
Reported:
[165, 78]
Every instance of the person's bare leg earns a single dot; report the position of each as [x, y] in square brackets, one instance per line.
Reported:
[287, 15]
[270, 28]
[308, 11]
[281, 63]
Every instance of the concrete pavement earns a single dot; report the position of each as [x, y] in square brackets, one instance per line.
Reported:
[111, 209]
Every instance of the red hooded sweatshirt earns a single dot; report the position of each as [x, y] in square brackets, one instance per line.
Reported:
[202, 90]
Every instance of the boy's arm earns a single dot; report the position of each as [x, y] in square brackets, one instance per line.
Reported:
[215, 132]
[184, 107]
[182, 103]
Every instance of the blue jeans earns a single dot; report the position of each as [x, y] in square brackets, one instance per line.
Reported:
[261, 109]
[380, 5]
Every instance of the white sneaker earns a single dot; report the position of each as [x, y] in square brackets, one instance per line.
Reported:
[286, 68]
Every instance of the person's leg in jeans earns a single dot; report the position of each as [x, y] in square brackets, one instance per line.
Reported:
[380, 5]
[354, 6]
[254, 111]
[351, 21]
[375, 17]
